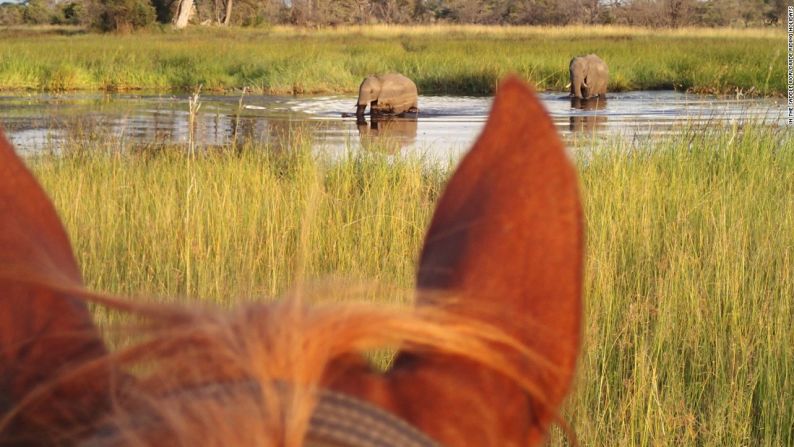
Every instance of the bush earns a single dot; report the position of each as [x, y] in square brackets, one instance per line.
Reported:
[73, 13]
[125, 15]
[36, 13]
[11, 14]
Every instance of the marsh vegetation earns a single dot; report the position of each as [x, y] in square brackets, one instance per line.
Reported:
[689, 271]
[441, 59]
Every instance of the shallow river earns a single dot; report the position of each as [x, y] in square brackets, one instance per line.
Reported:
[446, 124]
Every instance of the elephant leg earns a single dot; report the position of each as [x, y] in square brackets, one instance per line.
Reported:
[576, 85]
[376, 109]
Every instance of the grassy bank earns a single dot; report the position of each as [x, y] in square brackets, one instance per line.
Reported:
[689, 274]
[441, 59]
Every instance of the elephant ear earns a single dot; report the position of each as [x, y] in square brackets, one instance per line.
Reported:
[505, 247]
[44, 332]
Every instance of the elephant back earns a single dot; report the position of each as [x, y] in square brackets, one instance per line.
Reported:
[398, 93]
[598, 65]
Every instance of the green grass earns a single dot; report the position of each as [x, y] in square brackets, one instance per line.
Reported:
[228, 225]
[690, 281]
[441, 59]
[689, 272]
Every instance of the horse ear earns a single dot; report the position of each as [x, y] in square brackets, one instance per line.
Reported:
[506, 238]
[42, 331]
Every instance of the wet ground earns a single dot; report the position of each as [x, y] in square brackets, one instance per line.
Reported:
[445, 125]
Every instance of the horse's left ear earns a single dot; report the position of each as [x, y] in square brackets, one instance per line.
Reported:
[44, 333]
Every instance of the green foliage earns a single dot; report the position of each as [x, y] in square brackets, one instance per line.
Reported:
[11, 14]
[37, 12]
[268, 197]
[164, 10]
[125, 15]
[73, 13]
[690, 275]
[312, 13]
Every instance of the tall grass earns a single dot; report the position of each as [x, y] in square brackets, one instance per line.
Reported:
[689, 272]
[228, 225]
[441, 59]
[690, 283]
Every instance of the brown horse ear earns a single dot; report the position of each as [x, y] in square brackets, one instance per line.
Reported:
[504, 248]
[506, 238]
[43, 332]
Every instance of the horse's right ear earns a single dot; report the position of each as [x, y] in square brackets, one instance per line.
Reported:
[44, 332]
[506, 240]
[504, 248]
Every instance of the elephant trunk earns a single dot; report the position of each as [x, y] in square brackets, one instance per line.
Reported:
[364, 99]
[577, 81]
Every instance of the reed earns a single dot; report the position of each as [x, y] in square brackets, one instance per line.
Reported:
[690, 274]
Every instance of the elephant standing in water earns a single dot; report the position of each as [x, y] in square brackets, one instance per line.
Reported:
[389, 94]
[589, 77]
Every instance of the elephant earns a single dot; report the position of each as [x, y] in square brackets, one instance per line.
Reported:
[589, 77]
[388, 94]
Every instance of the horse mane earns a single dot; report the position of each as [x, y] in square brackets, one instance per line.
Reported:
[214, 377]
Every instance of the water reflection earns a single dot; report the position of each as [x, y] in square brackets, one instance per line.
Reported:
[446, 125]
[388, 135]
[590, 121]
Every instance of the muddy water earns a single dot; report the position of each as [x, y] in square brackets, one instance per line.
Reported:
[445, 126]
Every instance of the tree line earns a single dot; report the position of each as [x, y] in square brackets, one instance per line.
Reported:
[124, 15]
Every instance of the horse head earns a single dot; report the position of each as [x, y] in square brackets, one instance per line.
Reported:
[486, 357]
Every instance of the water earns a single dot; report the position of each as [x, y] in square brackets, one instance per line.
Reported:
[446, 124]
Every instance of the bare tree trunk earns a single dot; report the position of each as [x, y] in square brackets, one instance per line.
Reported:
[183, 13]
[228, 17]
[216, 11]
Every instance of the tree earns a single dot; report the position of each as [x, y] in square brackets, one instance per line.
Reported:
[11, 14]
[164, 10]
[73, 13]
[184, 10]
[774, 11]
[329, 12]
[36, 12]
[395, 11]
[125, 15]
[677, 9]
[227, 17]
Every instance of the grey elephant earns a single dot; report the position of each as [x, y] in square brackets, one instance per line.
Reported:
[388, 94]
[589, 77]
